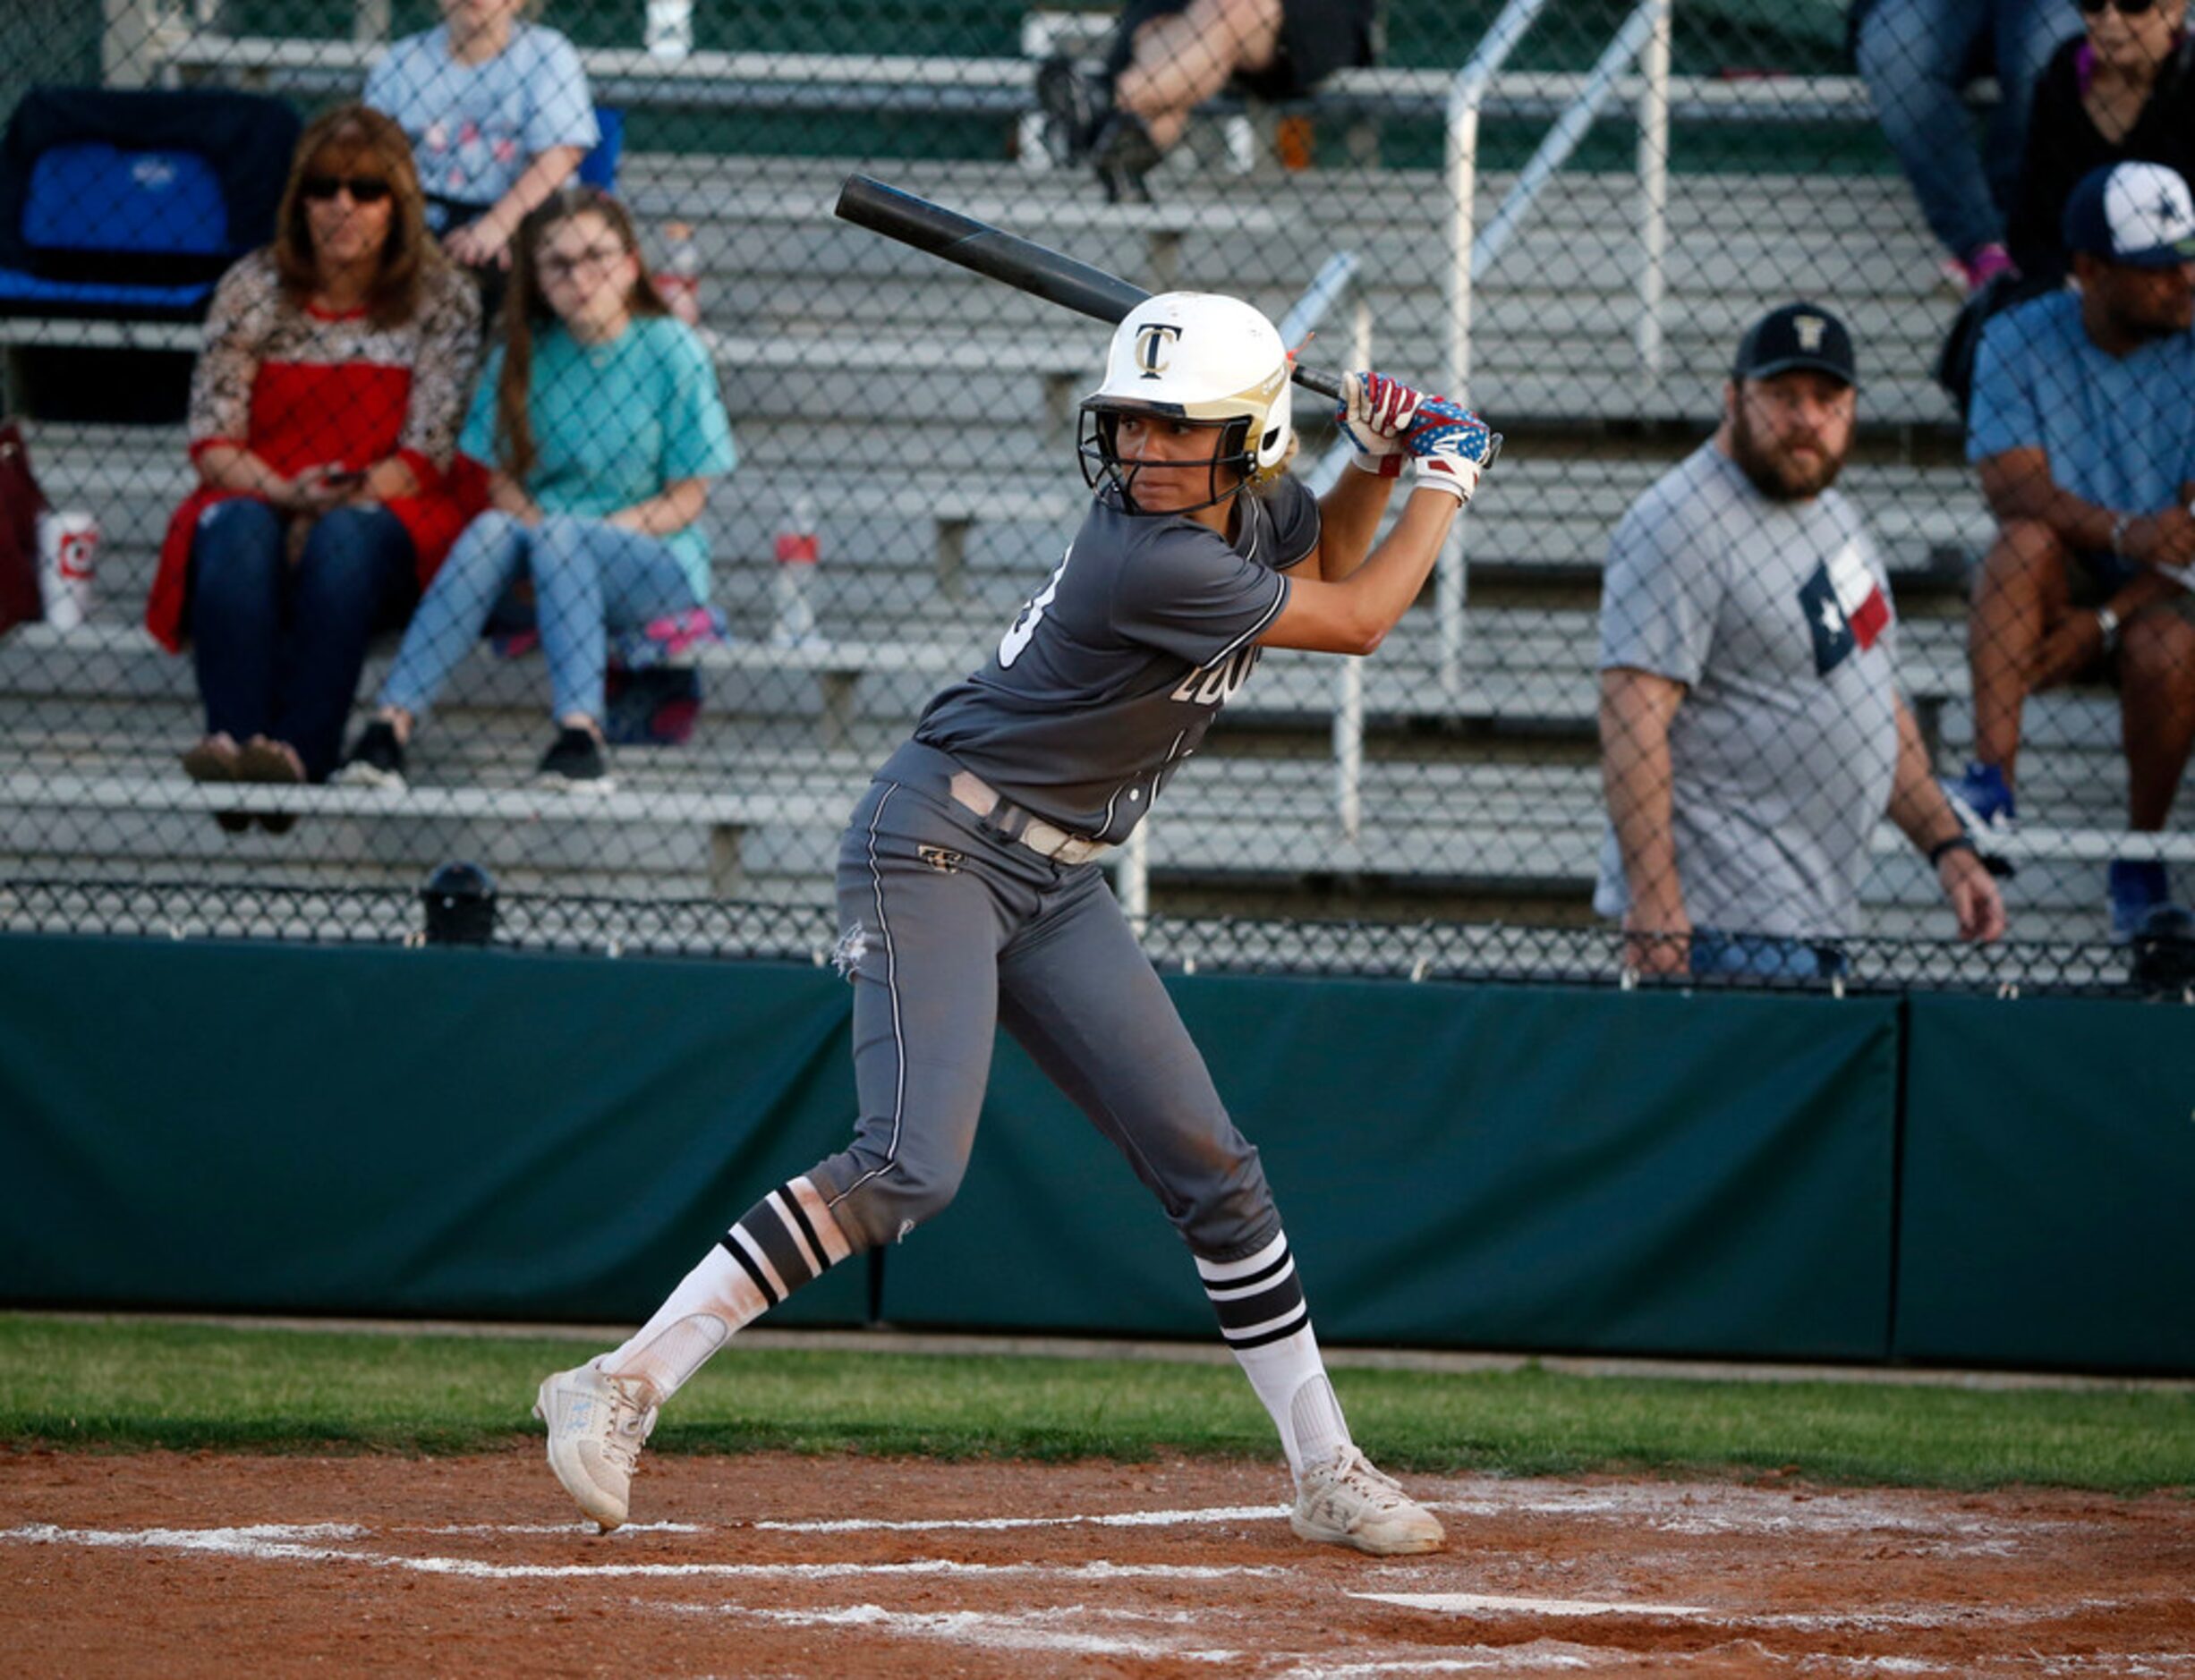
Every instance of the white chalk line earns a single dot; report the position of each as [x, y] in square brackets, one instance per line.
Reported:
[551, 1528]
[1114, 1519]
[1472, 1603]
[1041, 1630]
[1489, 1604]
[276, 1544]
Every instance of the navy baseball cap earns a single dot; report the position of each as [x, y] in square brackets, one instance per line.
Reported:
[2133, 214]
[1796, 335]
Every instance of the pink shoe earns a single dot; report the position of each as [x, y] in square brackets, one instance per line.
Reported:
[1983, 264]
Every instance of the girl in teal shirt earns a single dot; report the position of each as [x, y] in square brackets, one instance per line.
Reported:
[601, 417]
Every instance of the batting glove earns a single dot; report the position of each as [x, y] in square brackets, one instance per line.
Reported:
[1449, 446]
[1375, 413]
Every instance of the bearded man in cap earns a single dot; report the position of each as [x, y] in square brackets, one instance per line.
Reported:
[1751, 733]
[2083, 430]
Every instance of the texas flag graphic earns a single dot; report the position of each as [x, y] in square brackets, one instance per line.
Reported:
[1844, 607]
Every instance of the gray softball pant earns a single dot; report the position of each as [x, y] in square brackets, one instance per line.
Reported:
[950, 931]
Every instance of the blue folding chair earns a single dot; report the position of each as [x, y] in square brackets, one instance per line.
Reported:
[131, 203]
[599, 167]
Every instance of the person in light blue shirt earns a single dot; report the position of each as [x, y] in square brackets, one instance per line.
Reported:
[601, 419]
[2083, 430]
[499, 113]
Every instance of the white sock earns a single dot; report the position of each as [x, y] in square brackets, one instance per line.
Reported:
[1264, 1320]
[1290, 1379]
[785, 1239]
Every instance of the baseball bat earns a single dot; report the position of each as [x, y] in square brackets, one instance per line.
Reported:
[1020, 263]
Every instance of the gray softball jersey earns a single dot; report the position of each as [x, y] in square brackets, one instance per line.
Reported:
[1111, 675]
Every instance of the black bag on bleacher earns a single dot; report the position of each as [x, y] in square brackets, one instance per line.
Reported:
[20, 504]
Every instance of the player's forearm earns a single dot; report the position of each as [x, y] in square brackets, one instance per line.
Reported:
[1350, 517]
[233, 467]
[2018, 485]
[1917, 804]
[1383, 588]
[541, 177]
[666, 513]
[1637, 781]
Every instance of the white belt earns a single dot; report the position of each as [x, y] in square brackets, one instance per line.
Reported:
[1005, 818]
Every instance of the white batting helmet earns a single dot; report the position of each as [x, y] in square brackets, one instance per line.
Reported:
[1199, 357]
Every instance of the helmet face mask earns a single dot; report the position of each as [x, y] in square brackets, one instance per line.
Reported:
[1199, 359]
[1228, 467]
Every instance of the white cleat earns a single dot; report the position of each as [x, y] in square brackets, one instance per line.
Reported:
[597, 1426]
[1346, 1502]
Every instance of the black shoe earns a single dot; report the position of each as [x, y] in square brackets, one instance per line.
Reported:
[574, 761]
[377, 760]
[1074, 105]
[1124, 154]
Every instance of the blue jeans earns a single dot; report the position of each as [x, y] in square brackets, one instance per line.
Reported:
[1916, 56]
[588, 577]
[277, 647]
[1764, 955]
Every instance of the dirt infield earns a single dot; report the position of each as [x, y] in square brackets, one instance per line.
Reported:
[203, 1564]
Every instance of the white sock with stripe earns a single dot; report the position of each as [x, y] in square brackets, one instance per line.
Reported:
[1265, 1322]
[785, 1239]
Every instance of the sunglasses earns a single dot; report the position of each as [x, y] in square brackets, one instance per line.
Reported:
[2125, 8]
[362, 189]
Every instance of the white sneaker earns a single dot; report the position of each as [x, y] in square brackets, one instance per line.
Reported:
[597, 1426]
[1346, 1502]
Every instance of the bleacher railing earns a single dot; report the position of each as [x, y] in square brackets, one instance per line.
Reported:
[1566, 215]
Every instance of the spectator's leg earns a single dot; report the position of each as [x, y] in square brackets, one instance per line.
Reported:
[567, 590]
[453, 613]
[1913, 55]
[236, 614]
[2027, 32]
[2022, 592]
[354, 576]
[1181, 60]
[2156, 711]
[591, 578]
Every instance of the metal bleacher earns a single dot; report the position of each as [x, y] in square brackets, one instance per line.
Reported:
[929, 415]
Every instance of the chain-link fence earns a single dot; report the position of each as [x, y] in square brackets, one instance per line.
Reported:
[837, 467]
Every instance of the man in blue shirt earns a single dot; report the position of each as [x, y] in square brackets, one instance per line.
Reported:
[2083, 428]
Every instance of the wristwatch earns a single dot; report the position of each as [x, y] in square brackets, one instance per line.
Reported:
[2107, 622]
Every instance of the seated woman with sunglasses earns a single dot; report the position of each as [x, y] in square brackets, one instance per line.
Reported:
[324, 415]
[600, 416]
[2122, 90]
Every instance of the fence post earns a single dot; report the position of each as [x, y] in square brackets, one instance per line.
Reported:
[1653, 197]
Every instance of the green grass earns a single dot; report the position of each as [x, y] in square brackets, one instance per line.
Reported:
[125, 1383]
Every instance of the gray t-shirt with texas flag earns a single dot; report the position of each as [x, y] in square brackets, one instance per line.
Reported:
[1776, 618]
[1111, 675]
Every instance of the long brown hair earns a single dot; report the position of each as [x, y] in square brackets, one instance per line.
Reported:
[354, 139]
[526, 307]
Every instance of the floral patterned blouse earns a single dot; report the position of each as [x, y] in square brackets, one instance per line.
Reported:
[302, 388]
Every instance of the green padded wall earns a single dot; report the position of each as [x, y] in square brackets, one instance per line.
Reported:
[1473, 1165]
[403, 1131]
[2048, 1214]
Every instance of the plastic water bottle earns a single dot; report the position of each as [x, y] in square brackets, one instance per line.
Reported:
[799, 549]
[678, 281]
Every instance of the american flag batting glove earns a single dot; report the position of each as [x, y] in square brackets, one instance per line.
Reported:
[1449, 447]
[1375, 413]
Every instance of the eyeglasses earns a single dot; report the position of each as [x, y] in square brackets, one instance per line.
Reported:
[596, 257]
[362, 189]
[2125, 8]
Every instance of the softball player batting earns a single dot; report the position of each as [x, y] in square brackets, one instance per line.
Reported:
[969, 891]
